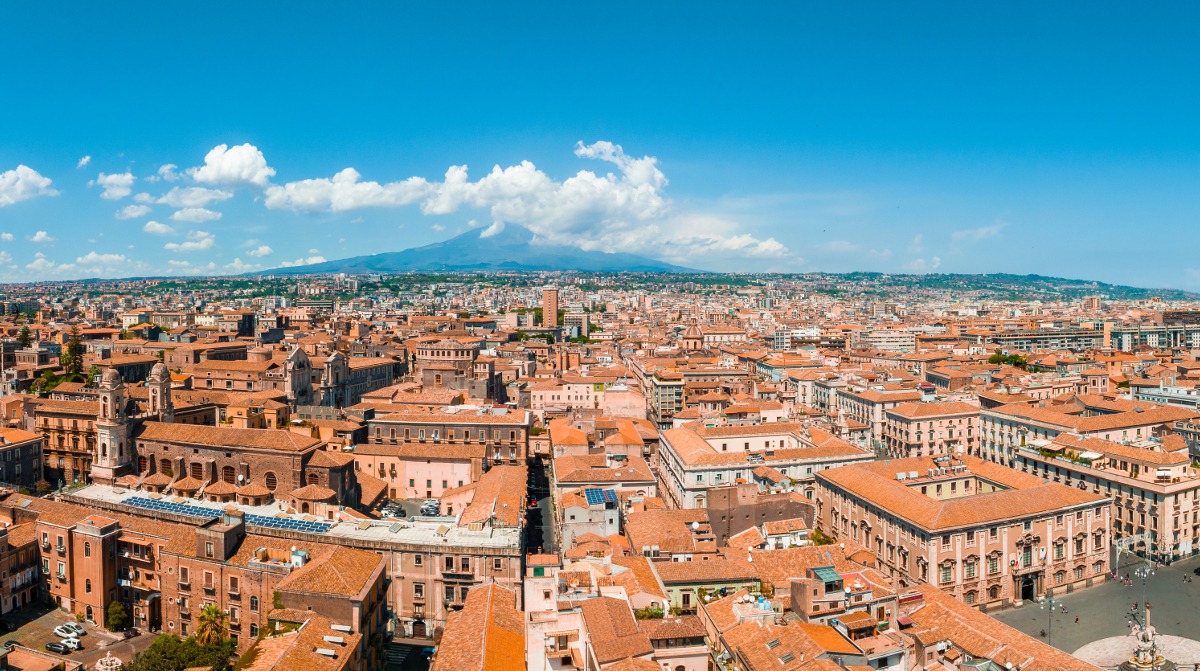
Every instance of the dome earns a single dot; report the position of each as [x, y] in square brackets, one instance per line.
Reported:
[111, 378]
[159, 373]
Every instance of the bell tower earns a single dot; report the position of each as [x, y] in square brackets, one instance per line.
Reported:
[112, 451]
[159, 386]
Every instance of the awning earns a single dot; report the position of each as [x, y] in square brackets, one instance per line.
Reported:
[904, 621]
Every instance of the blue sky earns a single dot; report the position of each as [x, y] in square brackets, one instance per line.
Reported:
[1058, 139]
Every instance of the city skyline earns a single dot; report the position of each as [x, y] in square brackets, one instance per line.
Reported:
[877, 141]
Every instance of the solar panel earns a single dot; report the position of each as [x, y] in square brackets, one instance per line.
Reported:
[593, 496]
[610, 496]
[209, 513]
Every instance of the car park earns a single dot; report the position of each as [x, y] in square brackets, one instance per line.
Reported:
[57, 648]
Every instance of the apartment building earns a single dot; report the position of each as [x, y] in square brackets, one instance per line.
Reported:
[931, 429]
[503, 433]
[868, 405]
[1155, 491]
[693, 458]
[987, 534]
[1004, 429]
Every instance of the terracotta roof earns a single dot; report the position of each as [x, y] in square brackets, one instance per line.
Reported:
[613, 631]
[488, 633]
[313, 492]
[198, 434]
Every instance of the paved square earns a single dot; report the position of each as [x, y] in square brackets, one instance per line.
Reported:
[1104, 611]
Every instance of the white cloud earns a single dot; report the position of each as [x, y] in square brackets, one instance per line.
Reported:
[22, 183]
[41, 236]
[314, 251]
[438, 227]
[238, 267]
[41, 264]
[196, 241]
[166, 173]
[156, 228]
[97, 259]
[242, 164]
[923, 266]
[260, 251]
[133, 211]
[7, 237]
[196, 215]
[977, 234]
[917, 245]
[344, 192]
[192, 196]
[626, 212]
[115, 186]
[303, 261]
[83, 162]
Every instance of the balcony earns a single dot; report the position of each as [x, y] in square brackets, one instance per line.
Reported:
[185, 586]
[62, 549]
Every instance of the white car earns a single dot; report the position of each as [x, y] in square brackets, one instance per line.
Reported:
[72, 643]
[65, 631]
[77, 628]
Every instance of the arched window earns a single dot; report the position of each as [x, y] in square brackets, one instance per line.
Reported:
[87, 549]
[271, 481]
[87, 585]
[253, 629]
[312, 479]
[253, 604]
[227, 474]
[164, 466]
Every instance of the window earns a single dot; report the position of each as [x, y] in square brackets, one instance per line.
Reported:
[417, 559]
[253, 629]
[969, 568]
[1079, 573]
[233, 584]
[183, 575]
[1059, 550]
[208, 579]
[271, 481]
[449, 595]
[947, 574]
[1059, 577]
[87, 549]
[419, 590]
[208, 550]
[253, 604]
[87, 585]
[466, 564]
[497, 564]
[993, 565]
[969, 597]
[450, 563]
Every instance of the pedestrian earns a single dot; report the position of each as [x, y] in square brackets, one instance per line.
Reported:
[1076, 619]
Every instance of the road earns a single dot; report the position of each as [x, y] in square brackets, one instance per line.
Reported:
[539, 522]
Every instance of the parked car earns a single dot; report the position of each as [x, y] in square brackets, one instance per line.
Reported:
[64, 631]
[72, 643]
[79, 630]
[57, 648]
[9, 644]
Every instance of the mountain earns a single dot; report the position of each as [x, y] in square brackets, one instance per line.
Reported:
[513, 248]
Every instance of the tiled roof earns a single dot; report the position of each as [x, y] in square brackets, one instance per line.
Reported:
[613, 631]
[213, 436]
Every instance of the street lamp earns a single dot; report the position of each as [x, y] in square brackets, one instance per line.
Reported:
[1049, 604]
[1144, 572]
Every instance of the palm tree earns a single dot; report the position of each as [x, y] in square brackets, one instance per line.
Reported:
[212, 626]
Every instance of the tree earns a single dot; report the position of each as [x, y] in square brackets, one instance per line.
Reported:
[43, 487]
[72, 356]
[818, 537]
[93, 373]
[171, 653]
[118, 617]
[212, 626]
[24, 337]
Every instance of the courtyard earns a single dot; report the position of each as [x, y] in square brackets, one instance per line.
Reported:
[1104, 611]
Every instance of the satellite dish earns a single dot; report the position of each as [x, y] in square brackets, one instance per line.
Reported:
[240, 477]
[695, 526]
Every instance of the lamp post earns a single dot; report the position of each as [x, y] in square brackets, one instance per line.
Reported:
[1049, 604]
[1144, 572]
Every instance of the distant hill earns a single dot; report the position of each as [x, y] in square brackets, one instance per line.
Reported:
[511, 249]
